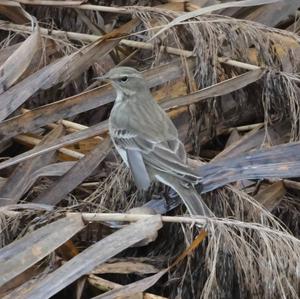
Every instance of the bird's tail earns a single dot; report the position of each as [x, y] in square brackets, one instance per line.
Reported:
[188, 194]
[193, 200]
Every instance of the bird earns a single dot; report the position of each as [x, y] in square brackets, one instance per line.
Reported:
[147, 140]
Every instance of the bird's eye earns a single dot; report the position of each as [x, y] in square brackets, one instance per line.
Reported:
[123, 79]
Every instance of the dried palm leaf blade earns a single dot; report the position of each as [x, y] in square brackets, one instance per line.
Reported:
[231, 85]
[23, 176]
[25, 252]
[91, 257]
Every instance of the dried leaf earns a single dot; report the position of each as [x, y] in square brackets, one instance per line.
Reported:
[23, 176]
[54, 2]
[210, 9]
[62, 70]
[18, 62]
[93, 256]
[219, 89]
[125, 268]
[106, 285]
[254, 140]
[133, 288]
[273, 14]
[60, 142]
[281, 161]
[271, 196]
[143, 284]
[24, 277]
[80, 171]
[25, 252]
[15, 12]
[6, 52]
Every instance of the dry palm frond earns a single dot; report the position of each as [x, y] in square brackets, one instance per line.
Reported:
[266, 261]
[249, 251]
[212, 36]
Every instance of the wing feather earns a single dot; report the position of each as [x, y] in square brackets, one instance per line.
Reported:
[157, 154]
[155, 138]
[138, 169]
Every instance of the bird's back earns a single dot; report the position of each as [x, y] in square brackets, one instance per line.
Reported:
[145, 118]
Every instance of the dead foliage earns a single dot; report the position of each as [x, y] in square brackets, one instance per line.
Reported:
[73, 224]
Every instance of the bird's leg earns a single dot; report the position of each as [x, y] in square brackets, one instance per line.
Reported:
[146, 195]
[172, 199]
[199, 187]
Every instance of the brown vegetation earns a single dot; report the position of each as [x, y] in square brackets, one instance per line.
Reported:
[73, 225]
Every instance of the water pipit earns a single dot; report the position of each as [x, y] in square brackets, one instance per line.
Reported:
[147, 139]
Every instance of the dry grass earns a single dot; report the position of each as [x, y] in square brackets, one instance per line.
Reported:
[49, 58]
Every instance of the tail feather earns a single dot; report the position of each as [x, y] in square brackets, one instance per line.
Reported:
[188, 194]
[193, 201]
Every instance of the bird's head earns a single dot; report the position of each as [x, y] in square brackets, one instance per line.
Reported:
[126, 80]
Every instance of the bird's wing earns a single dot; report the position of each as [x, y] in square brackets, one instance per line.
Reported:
[138, 169]
[162, 155]
[132, 156]
[147, 129]
[165, 159]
